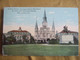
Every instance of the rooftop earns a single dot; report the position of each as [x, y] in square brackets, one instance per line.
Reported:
[65, 30]
[19, 30]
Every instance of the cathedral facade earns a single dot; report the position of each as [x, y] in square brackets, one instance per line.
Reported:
[43, 33]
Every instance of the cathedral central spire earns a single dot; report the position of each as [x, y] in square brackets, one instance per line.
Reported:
[45, 18]
[44, 23]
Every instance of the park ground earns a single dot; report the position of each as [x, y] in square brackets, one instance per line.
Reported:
[40, 50]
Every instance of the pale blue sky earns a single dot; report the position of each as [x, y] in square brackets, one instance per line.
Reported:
[61, 16]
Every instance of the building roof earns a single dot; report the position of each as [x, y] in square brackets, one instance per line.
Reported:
[19, 30]
[65, 30]
[68, 31]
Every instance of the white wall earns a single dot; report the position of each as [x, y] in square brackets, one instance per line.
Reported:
[67, 38]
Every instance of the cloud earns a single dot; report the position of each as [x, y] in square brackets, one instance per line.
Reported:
[51, 12]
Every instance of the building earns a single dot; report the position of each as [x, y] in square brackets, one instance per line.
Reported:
[18, 34]
[67, 36]
[43, 33]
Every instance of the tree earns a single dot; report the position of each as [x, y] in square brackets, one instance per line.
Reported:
[32, 41]
[75, 40]
[19, 42]
[54, 41]
[70, 42]
[48, 39]
[11, 39]
[4, 39]
[24, 38]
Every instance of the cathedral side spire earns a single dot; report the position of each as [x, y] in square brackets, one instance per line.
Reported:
[36, 26]
[53, 27]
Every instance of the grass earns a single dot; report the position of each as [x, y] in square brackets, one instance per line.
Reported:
[40, 50]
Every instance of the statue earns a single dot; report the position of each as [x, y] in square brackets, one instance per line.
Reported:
[65, 28]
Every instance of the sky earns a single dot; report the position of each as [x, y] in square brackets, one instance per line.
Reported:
[25, 17]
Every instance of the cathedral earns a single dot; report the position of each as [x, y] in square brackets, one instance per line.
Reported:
[44, 33]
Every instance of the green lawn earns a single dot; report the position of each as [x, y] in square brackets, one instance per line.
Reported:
[40, 50]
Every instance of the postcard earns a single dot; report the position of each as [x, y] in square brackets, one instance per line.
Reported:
[40, 31]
